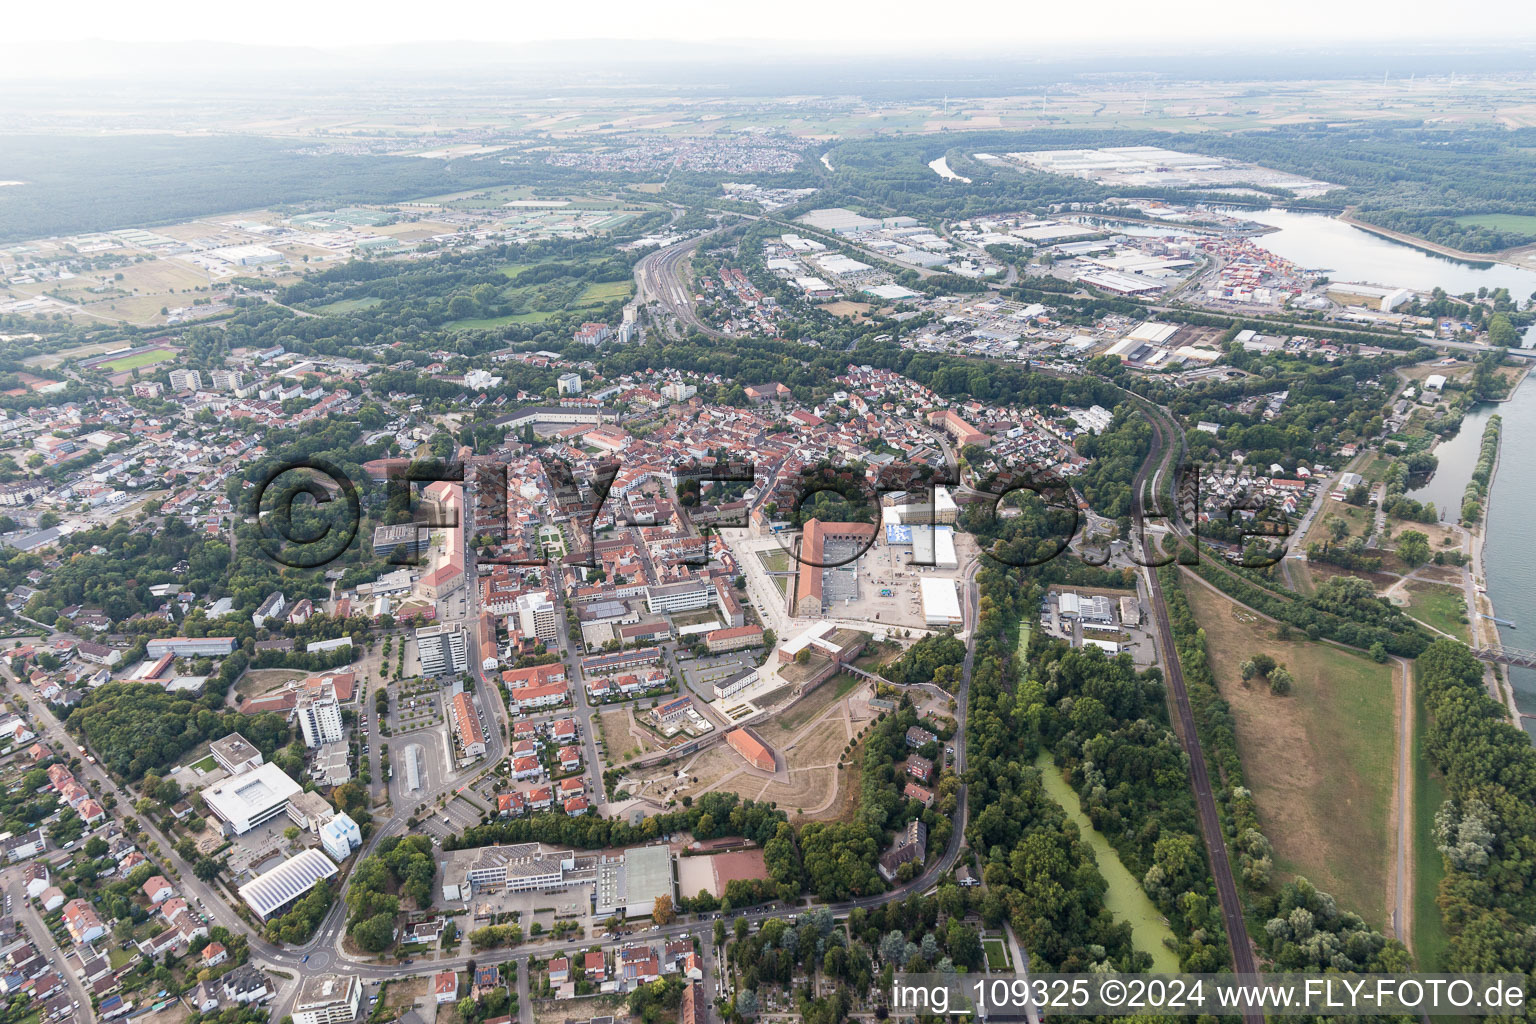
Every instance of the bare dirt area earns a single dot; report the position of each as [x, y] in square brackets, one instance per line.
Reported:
[812, 787]
[258, 681]
[626, 738]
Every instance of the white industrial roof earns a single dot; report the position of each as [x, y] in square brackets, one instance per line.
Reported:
[647, 873]
[292, 878]
[940, 599]
[243, 796]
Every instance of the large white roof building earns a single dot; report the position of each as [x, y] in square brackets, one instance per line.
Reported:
[273, 891]
[246, 800]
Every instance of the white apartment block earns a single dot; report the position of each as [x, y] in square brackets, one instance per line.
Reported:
[320, 719]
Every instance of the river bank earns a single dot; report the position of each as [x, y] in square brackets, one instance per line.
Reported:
[1434, 248]
[1483, 628]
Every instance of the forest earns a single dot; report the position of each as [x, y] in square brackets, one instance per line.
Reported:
[82, 184]
[1486, 829]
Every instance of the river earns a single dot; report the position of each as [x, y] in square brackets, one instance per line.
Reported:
[1458, 457]
[1318, 241]
[1509, 558]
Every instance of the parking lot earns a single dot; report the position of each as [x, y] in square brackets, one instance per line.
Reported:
[418, 704]
[456, 816]
[701, 674]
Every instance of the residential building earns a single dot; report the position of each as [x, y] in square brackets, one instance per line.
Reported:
[443, 649]
[183, 379]
[536, 616]
[340, 836]
[328, 999]
[320, 718]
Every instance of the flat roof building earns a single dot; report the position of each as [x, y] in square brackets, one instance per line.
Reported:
[631, 884]
[941, 602]
[235, 754]
[328, 999]
[246, 800]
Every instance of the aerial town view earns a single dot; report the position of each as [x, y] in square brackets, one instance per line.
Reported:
[776, 516]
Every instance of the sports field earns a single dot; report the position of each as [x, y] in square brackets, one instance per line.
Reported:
[137, 360]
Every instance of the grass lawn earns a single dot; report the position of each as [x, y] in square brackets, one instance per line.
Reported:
[137, 360]
[1319, 761]
[1429, 940]
[1500, 221]
[349, 305]
[997, 955]
[500, 321]
[776, 560]
[607, 291]
[116, 957]
[1439, 606]
[207, 764]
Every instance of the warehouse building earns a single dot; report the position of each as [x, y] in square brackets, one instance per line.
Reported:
[631, 884]
[941, 603]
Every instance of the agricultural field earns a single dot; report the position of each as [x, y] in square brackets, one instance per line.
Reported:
[1519, 222]
[1320, 760]
[138, 296]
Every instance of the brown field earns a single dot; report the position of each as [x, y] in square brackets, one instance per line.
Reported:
[1452, 372]
[855, 310]
[1319, 761]
[557, 1011]
[626, 739]
[815, 789]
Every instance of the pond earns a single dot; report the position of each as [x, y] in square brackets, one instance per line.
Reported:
[1125, 898]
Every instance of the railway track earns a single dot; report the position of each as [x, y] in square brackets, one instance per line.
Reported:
[1227, 893]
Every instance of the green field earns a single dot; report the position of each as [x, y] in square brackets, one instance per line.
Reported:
[137, 360]
[1521, 222]
[349, 305]
[776, 560]
[1429, 940]
[1125, 899]
[207, 764]
[607, 291]
[1441, 607]
[997, 955]
[1320, 761]
[499, 321]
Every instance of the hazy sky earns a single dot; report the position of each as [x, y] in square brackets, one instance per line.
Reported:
[859, 26]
